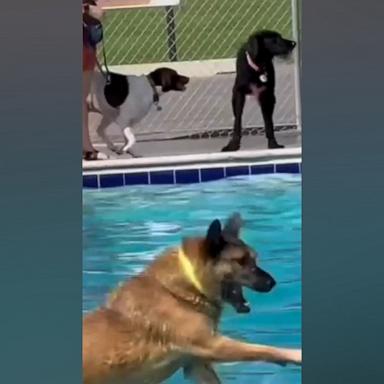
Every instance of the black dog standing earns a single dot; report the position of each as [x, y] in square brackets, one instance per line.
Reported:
[255, 74]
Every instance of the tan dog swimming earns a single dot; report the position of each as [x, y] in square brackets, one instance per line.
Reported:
[167, 318]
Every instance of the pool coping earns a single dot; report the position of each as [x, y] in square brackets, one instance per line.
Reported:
[186, 169]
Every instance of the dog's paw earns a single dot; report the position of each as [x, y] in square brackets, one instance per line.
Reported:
[116, 150]
[273, 144]
[232, 146]
[294, 357]
[127, 151]
[287, 356]
[134, 154]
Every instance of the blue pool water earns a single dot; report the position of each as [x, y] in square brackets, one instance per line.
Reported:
[125, 228]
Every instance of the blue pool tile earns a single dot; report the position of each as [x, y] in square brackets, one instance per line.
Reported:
[139, 178]
[187, 176]
[262, 169]
[240, 170]
[110, 181]
[90, 181]
[211, 174]
[161, 177]
[288, 168]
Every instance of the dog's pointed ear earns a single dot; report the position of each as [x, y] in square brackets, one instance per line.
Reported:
[233, 225]
[214, 239]
[253, 46]
[166, 81]
[214, 231]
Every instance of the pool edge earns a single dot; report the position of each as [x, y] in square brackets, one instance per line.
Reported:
[187, 169]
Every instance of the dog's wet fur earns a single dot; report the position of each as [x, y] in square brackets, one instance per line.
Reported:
[262, 47]
[166, 318]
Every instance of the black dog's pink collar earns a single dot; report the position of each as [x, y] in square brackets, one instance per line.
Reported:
[251, 63]
[263, 77]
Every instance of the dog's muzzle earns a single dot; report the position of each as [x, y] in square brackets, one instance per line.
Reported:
[263, 282]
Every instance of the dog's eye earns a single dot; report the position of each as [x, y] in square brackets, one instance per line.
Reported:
[242, 261]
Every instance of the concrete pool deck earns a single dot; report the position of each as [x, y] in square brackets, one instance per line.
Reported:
[185, 152]
[204, 106]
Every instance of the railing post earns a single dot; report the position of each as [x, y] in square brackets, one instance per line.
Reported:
[171, 32]
[296, 37]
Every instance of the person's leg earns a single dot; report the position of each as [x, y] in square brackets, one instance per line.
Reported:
[89, 64]
[87, 144]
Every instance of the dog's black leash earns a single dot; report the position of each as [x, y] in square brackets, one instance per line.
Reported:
[93, 28]
[106, 73]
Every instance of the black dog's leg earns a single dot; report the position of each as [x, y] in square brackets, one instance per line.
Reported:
[267, 102]
[238, 102]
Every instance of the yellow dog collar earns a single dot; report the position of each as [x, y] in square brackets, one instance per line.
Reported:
[189, 270]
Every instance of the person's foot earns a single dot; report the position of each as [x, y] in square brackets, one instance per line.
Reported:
[94, 155]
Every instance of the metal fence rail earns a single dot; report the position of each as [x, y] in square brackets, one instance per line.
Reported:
[200, 38]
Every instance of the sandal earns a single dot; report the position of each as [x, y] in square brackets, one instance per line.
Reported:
[94, 155]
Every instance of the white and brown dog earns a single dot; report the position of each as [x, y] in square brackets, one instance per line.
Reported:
[124, 100]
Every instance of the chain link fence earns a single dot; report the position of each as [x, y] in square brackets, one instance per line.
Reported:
[200, 38]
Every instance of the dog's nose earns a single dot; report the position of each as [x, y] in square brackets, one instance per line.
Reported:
[271, 283]
[293, 43]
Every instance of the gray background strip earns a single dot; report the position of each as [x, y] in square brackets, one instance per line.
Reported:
[40, 203]
[343, 189]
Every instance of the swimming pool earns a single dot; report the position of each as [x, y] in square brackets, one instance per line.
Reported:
[124, 228]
